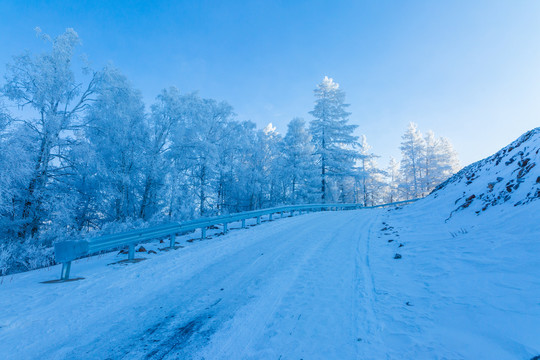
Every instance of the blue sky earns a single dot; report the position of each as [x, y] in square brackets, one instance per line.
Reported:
[469, 70]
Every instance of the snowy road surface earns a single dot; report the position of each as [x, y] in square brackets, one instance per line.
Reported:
[317, 286]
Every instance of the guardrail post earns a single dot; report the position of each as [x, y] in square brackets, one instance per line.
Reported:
[258, 220]
[203, 233]
[271, 217]
[225, 228]
[243, 223]
[131, 252]
[66, 267]
[282, 214]
[173, 239]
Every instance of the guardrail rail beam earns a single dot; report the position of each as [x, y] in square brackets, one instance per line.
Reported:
[67, 251]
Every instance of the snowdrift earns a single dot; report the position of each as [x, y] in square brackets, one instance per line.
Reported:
[510, 177]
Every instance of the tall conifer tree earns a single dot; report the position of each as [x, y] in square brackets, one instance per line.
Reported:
[335, 144]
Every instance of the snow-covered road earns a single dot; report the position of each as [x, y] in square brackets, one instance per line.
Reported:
[284, 289]
[317, 286]
[290, 293]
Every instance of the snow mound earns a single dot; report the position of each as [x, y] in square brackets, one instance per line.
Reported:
[510, 176]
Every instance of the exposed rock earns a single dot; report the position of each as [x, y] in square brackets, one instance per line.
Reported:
[507, 175]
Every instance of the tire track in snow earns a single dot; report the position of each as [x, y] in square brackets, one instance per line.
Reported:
[200, 308]
[286, 315]
[265, 306]
[366, 318]
[185, 293]
[235, 274]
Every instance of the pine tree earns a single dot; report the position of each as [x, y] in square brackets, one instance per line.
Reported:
[332, 135]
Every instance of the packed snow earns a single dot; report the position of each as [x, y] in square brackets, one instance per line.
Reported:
[433, 280]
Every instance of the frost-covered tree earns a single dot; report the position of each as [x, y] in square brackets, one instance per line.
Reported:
[197, 140]
[430, 163]
[165, 191]
[427, 161]
[230, 183]
[246, 169]
[369, 179]
[392, 193]
[299, 170]
[440, 161]
[259, 168]
[45, 84]
[270, 142]
[117, 133]
[447, 158]
[4, 120]
[16, 146]
[86, 188]
[332, 135]
[412, 152]
[164, 116]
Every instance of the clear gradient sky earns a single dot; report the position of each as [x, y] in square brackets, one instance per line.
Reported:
[469, 70]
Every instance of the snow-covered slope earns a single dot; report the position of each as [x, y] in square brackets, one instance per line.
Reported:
[510, 177]
[467, 288]
[469, 262]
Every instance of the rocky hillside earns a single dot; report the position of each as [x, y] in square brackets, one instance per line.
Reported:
[510, 177]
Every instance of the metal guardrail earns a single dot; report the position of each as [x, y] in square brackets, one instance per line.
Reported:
[67, 251]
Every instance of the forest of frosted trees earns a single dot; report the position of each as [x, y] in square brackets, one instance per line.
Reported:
[81, 154]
